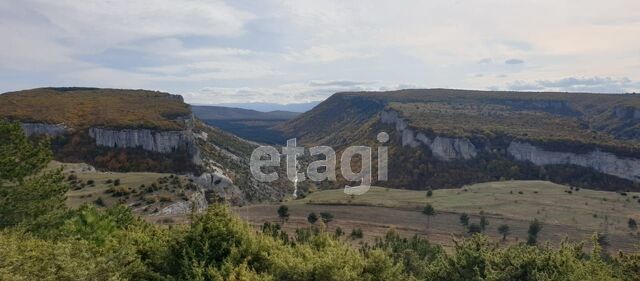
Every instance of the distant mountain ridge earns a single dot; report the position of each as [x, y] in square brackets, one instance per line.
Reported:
[267, 107]
[250, 124]
[209, 112]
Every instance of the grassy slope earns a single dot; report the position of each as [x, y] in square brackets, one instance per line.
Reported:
[82, 107]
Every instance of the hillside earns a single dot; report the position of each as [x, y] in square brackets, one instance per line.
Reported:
[140, 131]
[444, 137]
[250, 124]
[88, 107]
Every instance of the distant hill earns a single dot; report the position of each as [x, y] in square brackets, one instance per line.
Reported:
[250, 124]
[208, 112]
[266, 107]
[443, 137]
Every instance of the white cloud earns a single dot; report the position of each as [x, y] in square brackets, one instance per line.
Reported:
[293, 93]
[270, 50]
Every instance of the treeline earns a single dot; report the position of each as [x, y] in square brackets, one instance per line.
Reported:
[41, 239]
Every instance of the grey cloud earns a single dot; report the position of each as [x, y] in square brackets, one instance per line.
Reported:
[514, 61]
[484, 61]
[575, 84]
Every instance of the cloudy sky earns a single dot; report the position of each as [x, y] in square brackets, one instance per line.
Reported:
[299, 51]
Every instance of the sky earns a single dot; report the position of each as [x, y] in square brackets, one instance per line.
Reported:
[285, 52]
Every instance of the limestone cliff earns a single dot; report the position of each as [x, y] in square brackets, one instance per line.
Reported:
[605, 162]
[151, 140]
[446, 149]
[43, 129]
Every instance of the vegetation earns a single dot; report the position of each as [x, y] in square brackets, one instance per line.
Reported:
[326, 217]
[464, 219]
[52, 242]
[356, 233]
[429, 211]
[81, 108]
[484, 222]
[534, 229]
[504, 230]
[283, 213]
[312, 218]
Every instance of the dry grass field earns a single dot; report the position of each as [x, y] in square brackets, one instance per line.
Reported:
[575, 216]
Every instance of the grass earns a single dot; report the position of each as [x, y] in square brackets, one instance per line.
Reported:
[563, 215]
[520, 200]
[87, 107]
[130, 187]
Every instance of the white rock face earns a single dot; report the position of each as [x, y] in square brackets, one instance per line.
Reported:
[219, 184]
[605, 162]
[43, 129]
[443, 148]
[460, 148]
[151, 140]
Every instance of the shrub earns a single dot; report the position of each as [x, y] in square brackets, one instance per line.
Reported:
[356, 233]
[99, 202]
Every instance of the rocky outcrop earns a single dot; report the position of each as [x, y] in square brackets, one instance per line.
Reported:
[43, 129]
[151, 140]
[196, 203]
[443, 148]
[605, 162]
[218, 186]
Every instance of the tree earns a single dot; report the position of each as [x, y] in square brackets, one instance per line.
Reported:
[28, 195]
[474, 228]
[326, 217]
[312, 218]
[534, 229]
[283, 213]
[464, 220]
[339, 232]
[356, 233]
[633, 225]
[429, 193]
[504, 230]
[483, 223]
[429, 211]
[20, 157]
